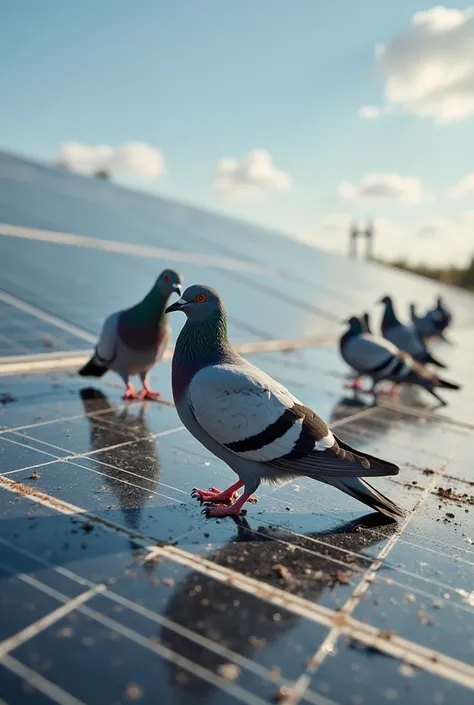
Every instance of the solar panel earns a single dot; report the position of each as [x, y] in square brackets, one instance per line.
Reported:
[115, 588]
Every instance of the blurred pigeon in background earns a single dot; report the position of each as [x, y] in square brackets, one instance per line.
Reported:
[366, 323]
[405, 337]
[424, 325]
[252, 422]
[133, 340]
[379, 359]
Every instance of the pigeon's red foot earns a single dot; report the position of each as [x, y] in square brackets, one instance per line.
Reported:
[148, 393]
[231, 510]
[394, 392]
[130, 393]
[353, 384]
[214, 495]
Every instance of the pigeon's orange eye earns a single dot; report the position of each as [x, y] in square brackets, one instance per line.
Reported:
[200, 298]
[166, 278]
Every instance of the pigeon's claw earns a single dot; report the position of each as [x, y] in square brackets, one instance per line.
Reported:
[214, 495]
[353, 384]
[148, 393]
[234, 509]
[130, 393]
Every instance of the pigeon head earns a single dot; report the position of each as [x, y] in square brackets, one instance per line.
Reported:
[355, 324]
[169, 282]
[199, 303]
[386, 300]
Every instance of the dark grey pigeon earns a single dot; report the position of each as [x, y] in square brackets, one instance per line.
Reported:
[253, 423]
[405, 337]
[425, 325]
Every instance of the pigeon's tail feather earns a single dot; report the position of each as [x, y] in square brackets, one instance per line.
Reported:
[428, 358]
[92, 369]
[444, 384]
[378, 466]
[361, 490]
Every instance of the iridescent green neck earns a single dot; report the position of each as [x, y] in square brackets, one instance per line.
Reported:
[151, 308]
[205, 342]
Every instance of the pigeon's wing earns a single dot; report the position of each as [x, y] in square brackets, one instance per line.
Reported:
[369, 354]
[257, 419]
[406, 339]
[106, 348]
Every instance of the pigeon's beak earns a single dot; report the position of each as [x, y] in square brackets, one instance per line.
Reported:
[177, 306]
[178, 288]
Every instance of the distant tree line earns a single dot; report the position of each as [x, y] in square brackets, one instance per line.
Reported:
[458, 276]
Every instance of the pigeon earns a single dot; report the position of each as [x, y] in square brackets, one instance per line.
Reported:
[380, 359]
[441, 315]
[355, 382]
[253, 423]
[405, 337]
[133, 340]
[425, 326]
[366, 322]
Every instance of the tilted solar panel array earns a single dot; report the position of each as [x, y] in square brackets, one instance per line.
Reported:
[113, 587]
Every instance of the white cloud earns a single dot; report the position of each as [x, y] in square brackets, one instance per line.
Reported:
[429, 66]
[383, 187]
[370, 112]
[251, 176]
[463, 188]
[136, 158]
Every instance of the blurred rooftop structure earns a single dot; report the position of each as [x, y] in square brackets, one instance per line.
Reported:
[114, 587]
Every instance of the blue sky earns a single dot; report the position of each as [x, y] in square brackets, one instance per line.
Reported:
[206, 79]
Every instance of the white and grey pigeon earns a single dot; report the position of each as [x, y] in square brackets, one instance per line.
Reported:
[252, 422]
[133, 340]
[405, 337]
[378, 358]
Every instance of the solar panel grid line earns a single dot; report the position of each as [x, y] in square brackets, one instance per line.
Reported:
[410, 411]
[408, 587]
[68, 461]
[404, 411]
[13, 344]
[125, 443]
[59, 419]
[78, 604]
[35, 466]
[107, 592]
[177, 628]
[70, 359]
[419, 656]
[114, 446]
[355, 554]
[37, 681]
[349, 606]
[424, 547]
[129, 248]
[32, 630]
[40, 314]
[411, 652]
[232, 688]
